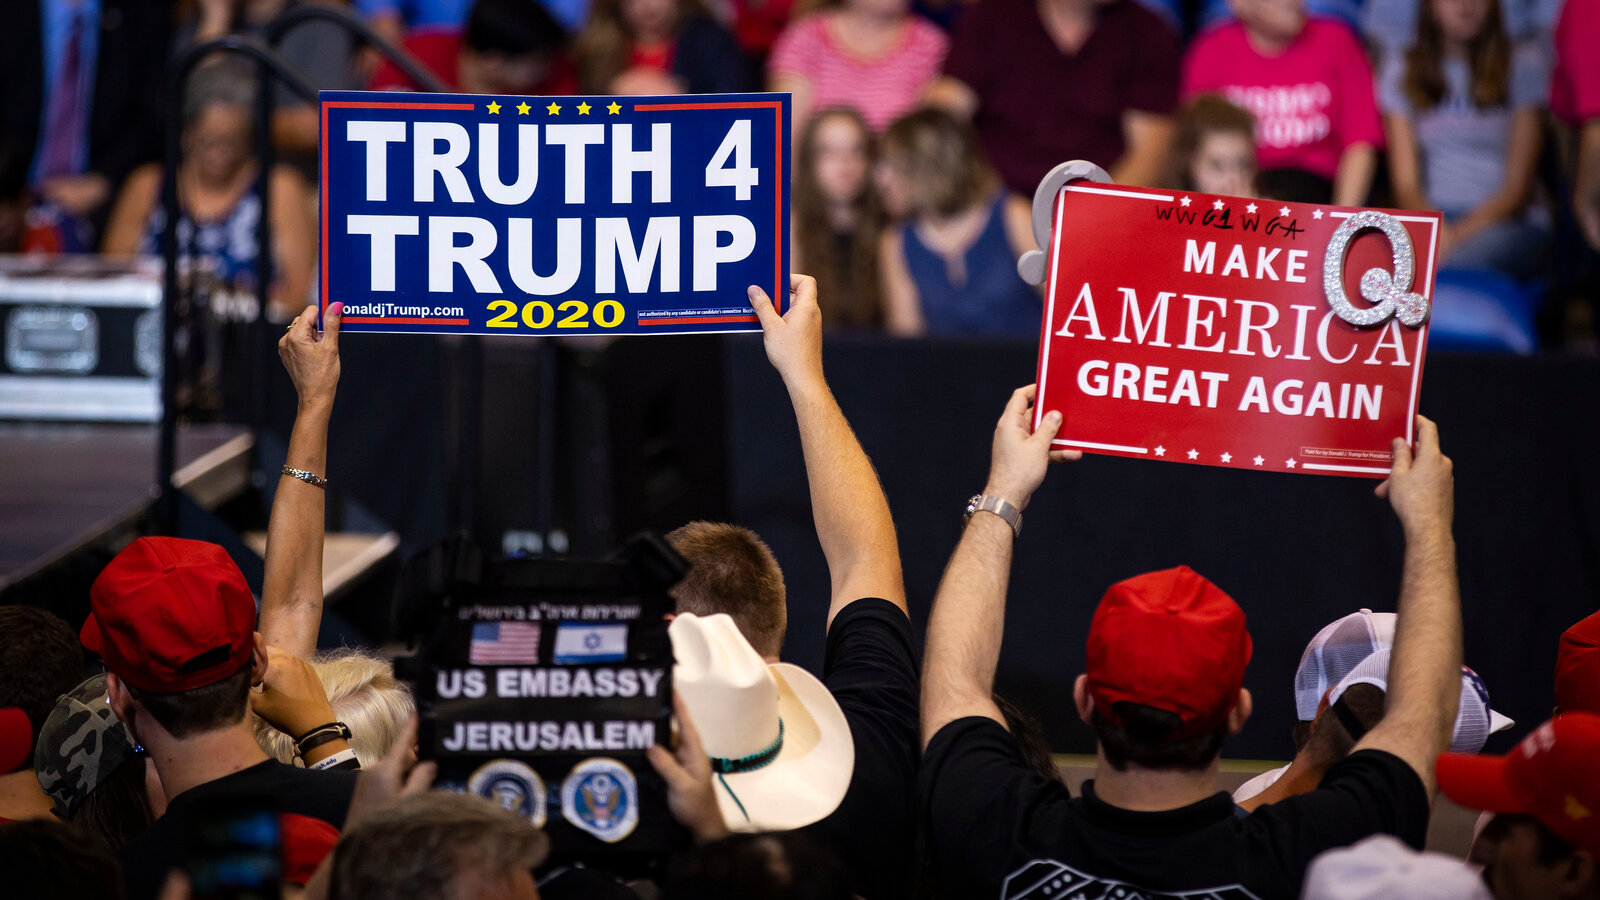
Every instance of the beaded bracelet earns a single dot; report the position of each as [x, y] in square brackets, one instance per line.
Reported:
[310, 478]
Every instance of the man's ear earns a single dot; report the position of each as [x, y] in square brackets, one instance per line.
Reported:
[1241, 712]
[121, 700]
[1324, 703]
[1579, 875]
[1082, 700]
[258, 660]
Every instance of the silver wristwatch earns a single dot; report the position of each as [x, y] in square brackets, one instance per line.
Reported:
[1000, 507]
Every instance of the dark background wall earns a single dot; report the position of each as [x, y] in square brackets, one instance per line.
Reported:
[652, 433]
[597, 441]
[1296, 551]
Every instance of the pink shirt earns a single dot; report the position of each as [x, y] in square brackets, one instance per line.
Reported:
[882, 89]
[1310, 102]
[1575, 84]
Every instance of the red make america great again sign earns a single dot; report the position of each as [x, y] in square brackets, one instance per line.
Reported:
[1225, 331]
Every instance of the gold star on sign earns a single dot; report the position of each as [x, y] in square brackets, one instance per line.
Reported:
[493, 107]
[553, 109]
[614, 108]
[583, 109]
[522, 109]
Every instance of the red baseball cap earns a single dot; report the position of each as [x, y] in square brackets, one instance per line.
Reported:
[16, 739]
[1578, 667]
[171, 615]
[1552, 775]
[1171, 640]
[305, 842]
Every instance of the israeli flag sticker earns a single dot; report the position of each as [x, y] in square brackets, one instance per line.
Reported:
[578, 643]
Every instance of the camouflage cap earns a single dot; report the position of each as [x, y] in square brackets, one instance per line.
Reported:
[80, 745]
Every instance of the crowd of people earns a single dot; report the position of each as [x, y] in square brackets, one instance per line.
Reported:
[920, 128]
[920, 133]
[182, 697]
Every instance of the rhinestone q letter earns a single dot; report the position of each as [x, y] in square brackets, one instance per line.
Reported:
[1391, 294]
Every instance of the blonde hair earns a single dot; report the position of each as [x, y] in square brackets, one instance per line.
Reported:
[941, 157]
[364, 694]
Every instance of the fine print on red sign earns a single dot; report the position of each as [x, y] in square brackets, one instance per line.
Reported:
[1226, 331]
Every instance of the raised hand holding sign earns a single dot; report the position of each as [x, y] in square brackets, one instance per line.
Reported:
[1230, 331]
[614, 215]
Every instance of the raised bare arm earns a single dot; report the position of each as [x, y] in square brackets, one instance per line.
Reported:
[964, 631]
[1425, 671]
[291, 592]
[851, 512]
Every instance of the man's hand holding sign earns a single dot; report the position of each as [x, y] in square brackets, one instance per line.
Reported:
[534, 215]
[1234, 332]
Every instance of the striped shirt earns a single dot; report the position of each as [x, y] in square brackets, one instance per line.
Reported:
[882, 88]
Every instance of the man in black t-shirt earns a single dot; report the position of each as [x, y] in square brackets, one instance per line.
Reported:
[870, 666]
[1166, 659]
[175, 623]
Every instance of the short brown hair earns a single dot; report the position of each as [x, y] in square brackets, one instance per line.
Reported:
[941, 154]
[49, 858]
[1329, 741]
[732, 571]
[39, 661]
[422, 845]
[202, 709]
[1205, 115]
[1141, 740]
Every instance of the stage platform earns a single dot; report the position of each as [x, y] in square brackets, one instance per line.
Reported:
[64, 486]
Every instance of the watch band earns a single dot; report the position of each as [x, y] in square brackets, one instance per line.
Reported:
[1000, 507]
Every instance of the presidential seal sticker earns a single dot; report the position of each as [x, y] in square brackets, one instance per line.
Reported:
[601, 796]
[513, 786]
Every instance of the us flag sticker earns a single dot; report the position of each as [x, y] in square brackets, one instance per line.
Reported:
[504, 642]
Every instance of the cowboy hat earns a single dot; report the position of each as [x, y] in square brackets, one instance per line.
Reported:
[780, 746]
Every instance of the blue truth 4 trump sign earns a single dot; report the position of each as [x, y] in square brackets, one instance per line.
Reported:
[468, 214]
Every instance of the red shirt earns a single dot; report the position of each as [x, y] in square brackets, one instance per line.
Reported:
[436, 50]
[1038, 106]
[1310, 102]
[439, 52]
[882, 88]
[652, 56]
[1575, 84]
[757, 23]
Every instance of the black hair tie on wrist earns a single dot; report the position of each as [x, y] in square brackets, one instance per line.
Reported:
[322, 734]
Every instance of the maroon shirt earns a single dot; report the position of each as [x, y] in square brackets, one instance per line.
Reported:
[1038, 106]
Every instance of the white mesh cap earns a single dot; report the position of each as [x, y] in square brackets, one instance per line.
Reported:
[1475, 721]
[1339, 647]
[1382, 868]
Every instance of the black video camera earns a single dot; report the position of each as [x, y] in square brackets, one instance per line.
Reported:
[540, 684]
